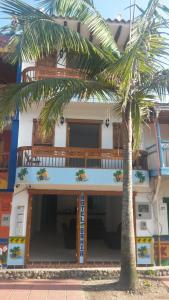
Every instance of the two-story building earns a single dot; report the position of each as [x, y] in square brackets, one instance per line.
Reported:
[67, 193]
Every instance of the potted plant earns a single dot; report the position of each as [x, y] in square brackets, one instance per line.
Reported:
[143, 251]
[140, 176]
[42, 174]
[118, 175]
[81, 175]
[23, 172]
[15, 252]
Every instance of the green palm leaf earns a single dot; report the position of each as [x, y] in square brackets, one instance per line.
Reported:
[39, 34]
[52, 95]
[85, 12]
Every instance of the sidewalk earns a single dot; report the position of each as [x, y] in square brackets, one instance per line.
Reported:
[41, 290]
[165, 280]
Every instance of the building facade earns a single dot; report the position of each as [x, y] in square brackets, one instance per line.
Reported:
[62, 199]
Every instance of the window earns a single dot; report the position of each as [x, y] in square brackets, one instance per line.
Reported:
[37, 139]
[48, 61]
[117, 136]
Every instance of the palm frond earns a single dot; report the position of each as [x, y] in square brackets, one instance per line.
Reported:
[40, 34]
[85, 12]
[160, 83]
[53, 94]
[143, 55]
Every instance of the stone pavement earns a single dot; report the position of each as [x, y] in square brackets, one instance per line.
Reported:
[41, 290]
[165, 280]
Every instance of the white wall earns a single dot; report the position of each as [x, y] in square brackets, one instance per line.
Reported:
[145, 198]
[162, 207]
[164, 129]
[88, 111]
[19, 199]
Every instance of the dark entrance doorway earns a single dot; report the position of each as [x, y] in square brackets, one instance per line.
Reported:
[104, 228]
[53, 228]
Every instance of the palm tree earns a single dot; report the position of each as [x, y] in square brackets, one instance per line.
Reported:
[131, 79]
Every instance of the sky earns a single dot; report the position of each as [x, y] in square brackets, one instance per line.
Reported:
[108, 8]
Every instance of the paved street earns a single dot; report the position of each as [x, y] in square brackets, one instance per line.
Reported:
[41, 290]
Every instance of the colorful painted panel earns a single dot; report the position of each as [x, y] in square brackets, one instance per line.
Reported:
[16, 251]
[145, 253]
[3, 251]
[3, 180]
[164, 248]
[82, 228]
[5, 212]
[75, 176]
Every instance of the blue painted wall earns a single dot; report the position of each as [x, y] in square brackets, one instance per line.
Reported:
[14, 143]
[67, 176]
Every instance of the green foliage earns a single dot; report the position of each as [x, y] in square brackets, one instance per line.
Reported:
[150, 272]
[135, 76]
[42, 174]
[140, 176]
[15, 252]
[85, 12]
[22, 173]
[118, 175]
[81, 175]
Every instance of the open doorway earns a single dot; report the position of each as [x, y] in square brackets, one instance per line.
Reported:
[104, 228]
[53, 228]
[84, 135]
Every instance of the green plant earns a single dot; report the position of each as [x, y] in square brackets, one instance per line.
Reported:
[81, 175]
[140, 176]
[15, 252]
[147, 283]
[22, 173]
[142, 251]
[118, 175]
[42, 174]
[150, 272]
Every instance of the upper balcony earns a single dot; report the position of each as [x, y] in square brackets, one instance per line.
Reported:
[71, 165]
[43, 72]
[158, 158]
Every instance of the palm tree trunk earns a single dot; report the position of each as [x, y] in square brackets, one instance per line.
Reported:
[128, 275]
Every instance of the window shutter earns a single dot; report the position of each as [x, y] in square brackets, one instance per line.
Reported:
[37, 138]
[117, 136]
[48, 61]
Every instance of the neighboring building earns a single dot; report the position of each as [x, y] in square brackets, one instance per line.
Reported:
[67, 196]
[8, 151]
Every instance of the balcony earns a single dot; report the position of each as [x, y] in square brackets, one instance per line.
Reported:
[159, 162]
[43, 72]
[71, 157]
[72, 166]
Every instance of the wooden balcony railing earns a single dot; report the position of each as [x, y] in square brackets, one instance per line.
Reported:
[40, 72]
[62, 157]
[4, 159]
